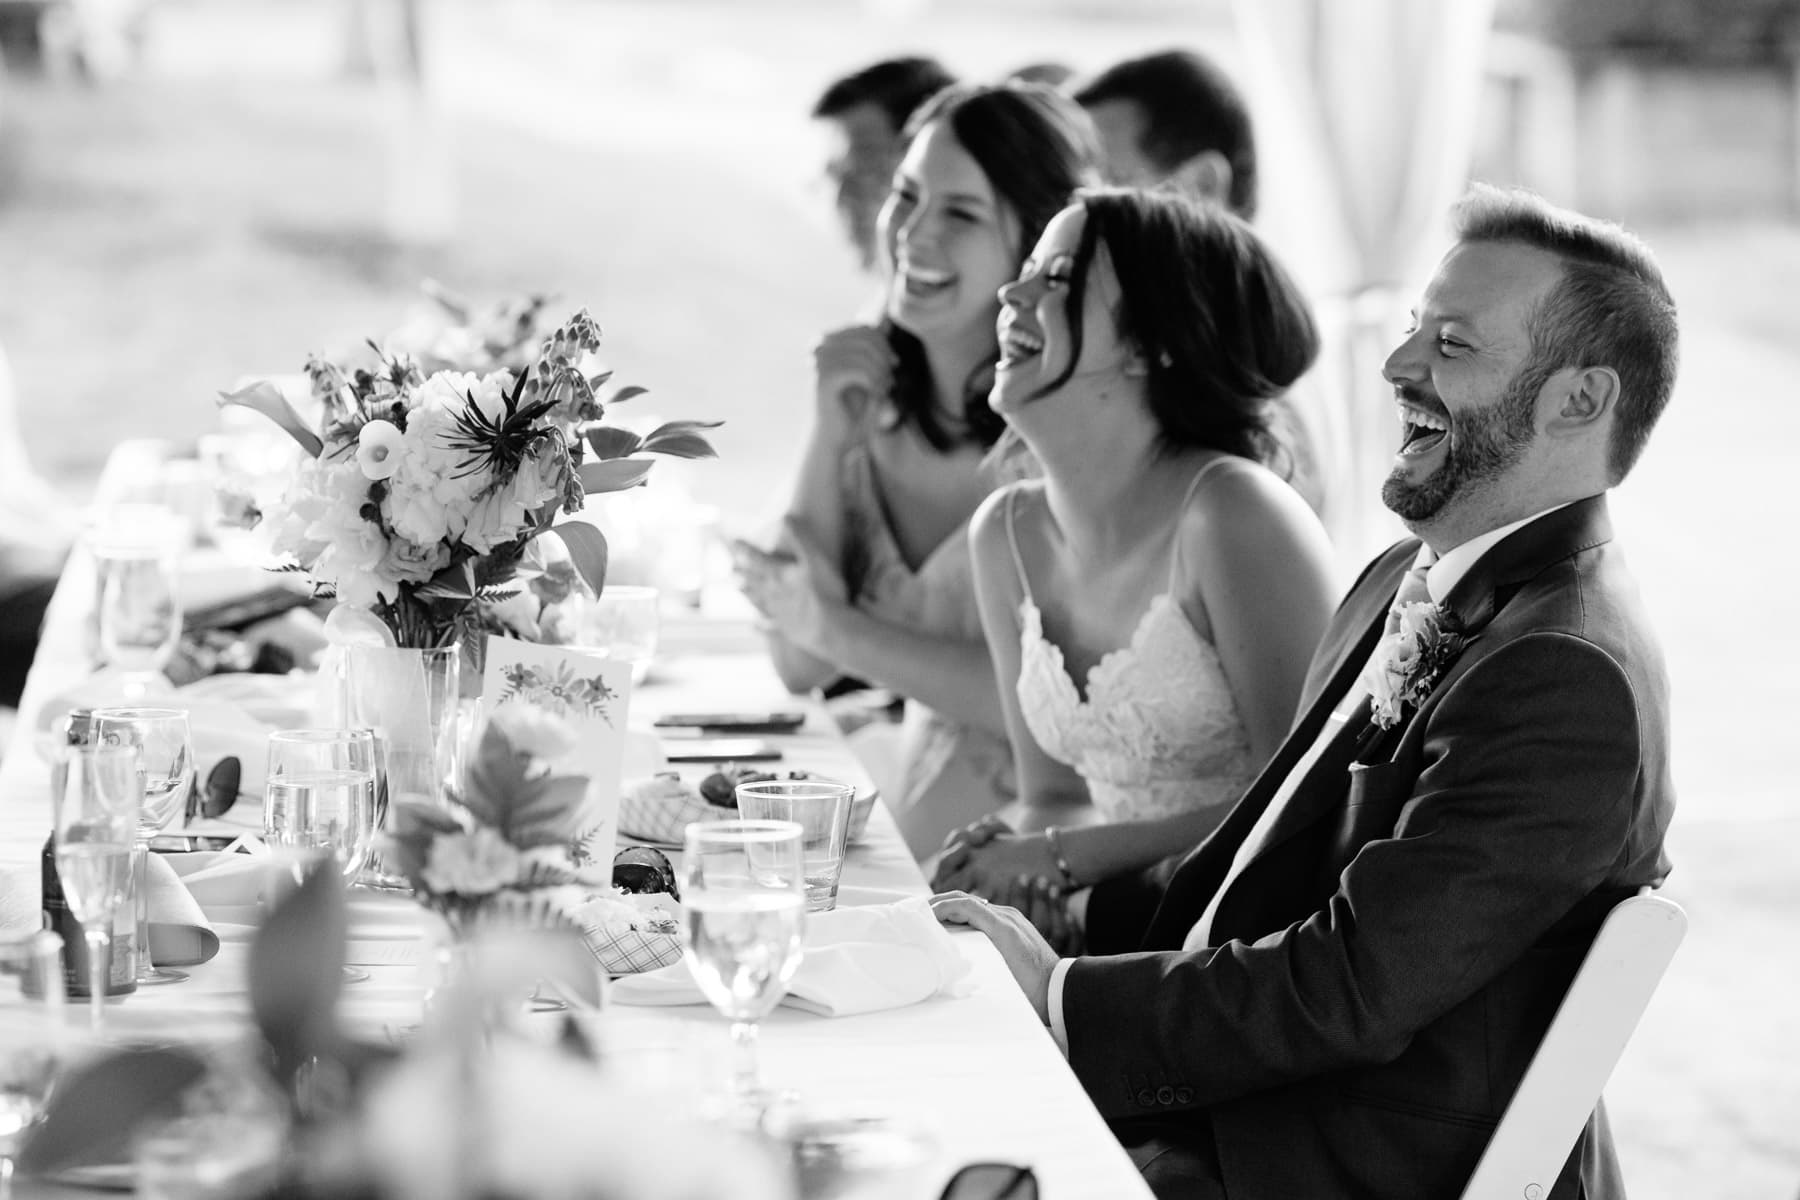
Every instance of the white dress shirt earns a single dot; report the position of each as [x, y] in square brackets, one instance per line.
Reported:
[1441, 579]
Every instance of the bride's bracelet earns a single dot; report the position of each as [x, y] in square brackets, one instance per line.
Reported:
[1053, 839]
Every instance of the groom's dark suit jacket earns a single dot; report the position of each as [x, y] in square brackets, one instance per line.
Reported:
[1382, 971]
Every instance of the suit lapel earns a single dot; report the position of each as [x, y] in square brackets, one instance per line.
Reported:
[1343, 652]
[1475, 599]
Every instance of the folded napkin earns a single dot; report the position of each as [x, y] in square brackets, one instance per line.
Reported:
[194, 898]
[191, 897]
[858, 960]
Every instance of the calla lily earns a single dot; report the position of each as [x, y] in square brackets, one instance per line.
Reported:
[265, 398]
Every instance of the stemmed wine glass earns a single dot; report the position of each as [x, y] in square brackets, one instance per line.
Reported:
[744, 901]
[97, 790]
[320, 797]
[167, 758]
[138, 610]
[31, 1015]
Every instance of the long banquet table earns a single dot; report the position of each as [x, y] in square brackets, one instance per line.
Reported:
[979, 1069]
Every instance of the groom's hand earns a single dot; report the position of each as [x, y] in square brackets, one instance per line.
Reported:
[1028, 956]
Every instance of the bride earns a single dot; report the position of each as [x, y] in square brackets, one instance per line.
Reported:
[1150, 602]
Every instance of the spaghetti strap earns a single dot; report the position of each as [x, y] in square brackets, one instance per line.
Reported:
[1012, 540]
[1175, 537]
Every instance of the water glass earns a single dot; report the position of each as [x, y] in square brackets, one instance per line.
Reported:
[166, 756]
[822, 810]
[96, 791]
[137, 608]
[626, 622]
[31, 1037]
[320, 794]
[744, 906]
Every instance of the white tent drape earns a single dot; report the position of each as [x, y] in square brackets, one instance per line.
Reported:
[1365, 115]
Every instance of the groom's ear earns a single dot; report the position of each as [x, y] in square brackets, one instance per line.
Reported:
[1579, 400]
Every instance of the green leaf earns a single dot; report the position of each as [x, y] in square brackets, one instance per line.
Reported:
[610, 441]
[587, 550]
[625, 393]
[548, 811]
[682, 439]
[614, 475]
[265, 398]
[495, 781]
[297, 970]
[454, 582]
[96, 1109]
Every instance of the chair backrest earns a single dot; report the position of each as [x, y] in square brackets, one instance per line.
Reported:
[1580, 1049]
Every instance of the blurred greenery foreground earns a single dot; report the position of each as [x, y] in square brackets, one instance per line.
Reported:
[477, 1102]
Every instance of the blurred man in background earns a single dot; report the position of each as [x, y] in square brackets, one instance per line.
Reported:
[1174, 118]
[864, 113]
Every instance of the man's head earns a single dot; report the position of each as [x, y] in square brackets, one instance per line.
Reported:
[865, 114]
[1175, 117]
[1541, 356]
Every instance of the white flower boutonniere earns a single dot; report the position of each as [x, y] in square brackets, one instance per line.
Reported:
[1409, 661]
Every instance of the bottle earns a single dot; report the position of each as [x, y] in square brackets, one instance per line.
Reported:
[121, 975]
[121, 972]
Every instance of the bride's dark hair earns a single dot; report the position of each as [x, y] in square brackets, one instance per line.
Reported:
[1220, 325]
[1036, 146]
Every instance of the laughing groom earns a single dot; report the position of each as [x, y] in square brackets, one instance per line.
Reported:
[1337, 992]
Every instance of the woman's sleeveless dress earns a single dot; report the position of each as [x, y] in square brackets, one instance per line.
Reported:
[1158, 732]
[951, 773]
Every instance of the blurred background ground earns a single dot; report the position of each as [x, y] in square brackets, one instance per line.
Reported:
[215, 213]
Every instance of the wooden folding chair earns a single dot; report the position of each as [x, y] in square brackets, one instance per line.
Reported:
[1579, 1050]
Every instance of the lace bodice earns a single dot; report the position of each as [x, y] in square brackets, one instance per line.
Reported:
[1158, 732]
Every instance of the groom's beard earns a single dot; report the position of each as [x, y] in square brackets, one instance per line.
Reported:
[1484, 443]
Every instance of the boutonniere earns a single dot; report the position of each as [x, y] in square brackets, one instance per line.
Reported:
[1409, 661]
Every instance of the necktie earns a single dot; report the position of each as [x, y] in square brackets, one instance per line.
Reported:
[1412, 591]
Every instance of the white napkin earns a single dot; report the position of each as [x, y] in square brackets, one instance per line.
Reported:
[858, 960]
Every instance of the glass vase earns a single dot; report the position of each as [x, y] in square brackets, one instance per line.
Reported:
[410, 699]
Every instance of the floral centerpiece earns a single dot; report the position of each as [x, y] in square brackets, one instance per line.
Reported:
[423, 489]
[511, 848]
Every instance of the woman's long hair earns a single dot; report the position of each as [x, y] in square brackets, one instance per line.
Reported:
[1221, 327]
[1036, 147]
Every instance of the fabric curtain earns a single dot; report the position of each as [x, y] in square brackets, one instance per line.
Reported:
[1366, 117]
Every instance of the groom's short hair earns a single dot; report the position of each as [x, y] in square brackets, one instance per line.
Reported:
[1611, 307]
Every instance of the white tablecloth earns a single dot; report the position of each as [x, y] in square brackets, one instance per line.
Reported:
[978, 1069]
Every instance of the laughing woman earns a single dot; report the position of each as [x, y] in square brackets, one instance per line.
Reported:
[873, 577]
[1152, 601]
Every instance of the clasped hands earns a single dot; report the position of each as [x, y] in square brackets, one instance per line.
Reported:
[988, 860]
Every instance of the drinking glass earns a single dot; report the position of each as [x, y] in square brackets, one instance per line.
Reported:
[166, 755]
[744, 903]
[625, 622]
[97, 791]
[822, 810]
[31, 1032]
[320, 794]
[138, 605]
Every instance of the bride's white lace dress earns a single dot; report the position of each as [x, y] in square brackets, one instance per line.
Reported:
[1157, 731]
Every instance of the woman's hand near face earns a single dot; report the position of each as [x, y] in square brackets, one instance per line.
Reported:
[848, 360]
[796, 593]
